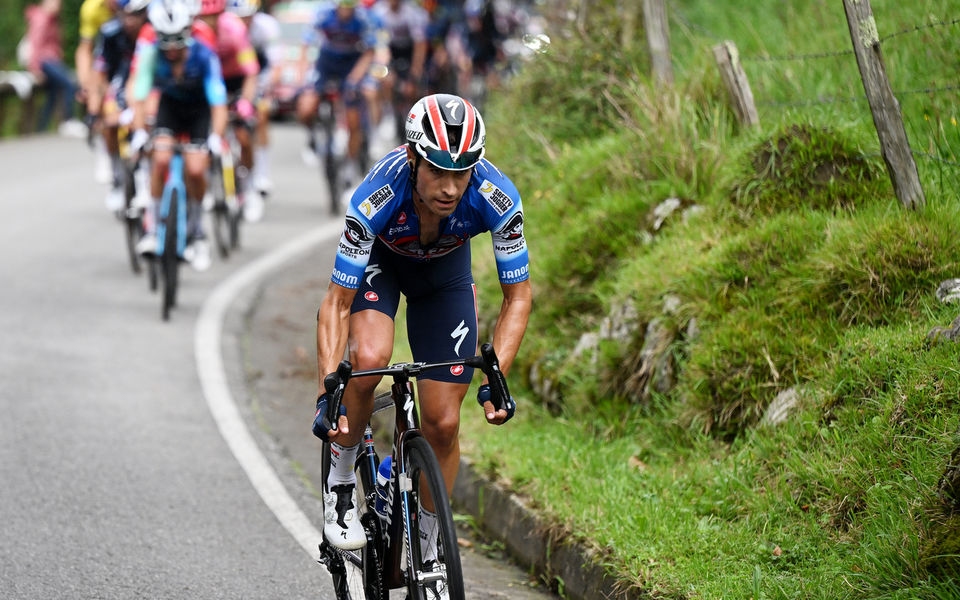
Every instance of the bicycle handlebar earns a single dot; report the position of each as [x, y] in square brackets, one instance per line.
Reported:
[486, 361]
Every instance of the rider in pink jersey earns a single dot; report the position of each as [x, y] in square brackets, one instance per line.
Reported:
[240, 70]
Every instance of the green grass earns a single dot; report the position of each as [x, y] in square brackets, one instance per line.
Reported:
[799, 269]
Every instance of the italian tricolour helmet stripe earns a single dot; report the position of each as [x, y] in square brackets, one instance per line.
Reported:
[436, 122]
[469, 126]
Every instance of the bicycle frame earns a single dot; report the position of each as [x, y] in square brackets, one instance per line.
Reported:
[174, 182]
[400, 501]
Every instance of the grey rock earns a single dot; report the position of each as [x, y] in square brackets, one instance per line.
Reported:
[949, 291]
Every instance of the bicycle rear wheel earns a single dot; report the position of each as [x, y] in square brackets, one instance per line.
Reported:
[420, 464]
[169, 261]
[221, 213]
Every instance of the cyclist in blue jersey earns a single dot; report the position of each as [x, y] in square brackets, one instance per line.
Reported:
[347, 39]
[106, 95]
[193, 99]
[408, 230]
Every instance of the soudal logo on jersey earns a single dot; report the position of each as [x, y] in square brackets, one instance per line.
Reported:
[457, 370]
[371, 296]
[496, 198]
[375, 201]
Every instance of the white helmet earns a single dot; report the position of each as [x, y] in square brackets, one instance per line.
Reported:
[133, 6]
[172, 20]
[447, 131]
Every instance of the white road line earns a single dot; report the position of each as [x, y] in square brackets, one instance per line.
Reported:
[222, 406]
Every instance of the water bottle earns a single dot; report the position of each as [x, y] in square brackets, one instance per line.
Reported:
[383, 485]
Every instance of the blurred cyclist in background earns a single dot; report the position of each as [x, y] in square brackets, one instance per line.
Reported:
[226, 33]
[193, 100]
[93, 15]
[346, 38]
[406, 25]
[263, 31]
[106, 95]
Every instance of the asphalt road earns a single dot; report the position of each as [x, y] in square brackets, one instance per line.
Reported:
[116, 479]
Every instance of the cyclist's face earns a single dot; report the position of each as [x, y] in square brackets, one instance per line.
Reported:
[440, 190]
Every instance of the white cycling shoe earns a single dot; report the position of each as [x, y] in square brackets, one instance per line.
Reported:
[341, 521]
[147, 246]
[197, 253]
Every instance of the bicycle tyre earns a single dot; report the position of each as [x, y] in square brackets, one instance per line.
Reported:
[220, 211]
[170, 262]
[234, 221]
[133, 222]
[419, 460]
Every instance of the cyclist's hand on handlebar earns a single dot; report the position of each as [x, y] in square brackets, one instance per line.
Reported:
[215, 144]
[494, 416]
[138, 140]
[322, 427]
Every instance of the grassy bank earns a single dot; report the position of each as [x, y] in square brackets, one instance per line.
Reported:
[787, 269]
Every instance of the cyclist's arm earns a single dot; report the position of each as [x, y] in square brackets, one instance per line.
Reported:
[361, 67]
[83, 60]
[512, 321]
[333, 328]
[141, 81]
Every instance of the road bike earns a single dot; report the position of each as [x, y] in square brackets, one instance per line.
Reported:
[172, 230]
[227, 209]
[391, 557]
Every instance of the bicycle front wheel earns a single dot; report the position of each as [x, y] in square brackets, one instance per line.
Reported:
[421, 466]
[169, 261]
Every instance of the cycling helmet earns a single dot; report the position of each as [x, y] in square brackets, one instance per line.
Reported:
[447, 131]
[171, 19]
[243, 8]
[132, 6]
[211, 7]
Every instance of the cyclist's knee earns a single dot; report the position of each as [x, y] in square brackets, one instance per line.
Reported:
[442, 429]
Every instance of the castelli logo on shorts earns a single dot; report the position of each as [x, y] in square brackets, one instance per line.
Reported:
[457, 370]
[371, 296]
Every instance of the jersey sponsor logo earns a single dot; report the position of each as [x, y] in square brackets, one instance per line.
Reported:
[511, 249]
[457, 370]
[402, 218]
[512, 229]
[397, 230]
[507, 275]
[373, 270]
[350, 281]
[375, 201]
[459, 334]
[355, 233]
[371, 296]
[496, 198]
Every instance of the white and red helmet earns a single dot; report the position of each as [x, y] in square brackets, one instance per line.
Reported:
[447, 131]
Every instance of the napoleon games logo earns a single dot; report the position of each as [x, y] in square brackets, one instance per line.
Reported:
[371, 296]
[355, 233]
[513, 229]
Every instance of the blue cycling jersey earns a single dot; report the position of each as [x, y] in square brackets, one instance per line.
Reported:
[342, 40]
[200, 83]
[382, 207]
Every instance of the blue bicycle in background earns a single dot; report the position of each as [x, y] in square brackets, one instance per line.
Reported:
[172, 230]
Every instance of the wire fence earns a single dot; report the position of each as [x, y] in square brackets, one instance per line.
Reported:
[923, 106]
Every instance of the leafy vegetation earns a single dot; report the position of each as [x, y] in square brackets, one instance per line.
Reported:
[788, 268]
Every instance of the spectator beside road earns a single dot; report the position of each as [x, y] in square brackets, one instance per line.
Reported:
[46, 60]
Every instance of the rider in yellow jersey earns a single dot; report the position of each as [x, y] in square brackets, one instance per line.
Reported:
[93, 15]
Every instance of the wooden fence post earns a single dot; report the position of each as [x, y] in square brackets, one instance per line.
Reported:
[735, 80]
[658, 39]
[894, 145]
